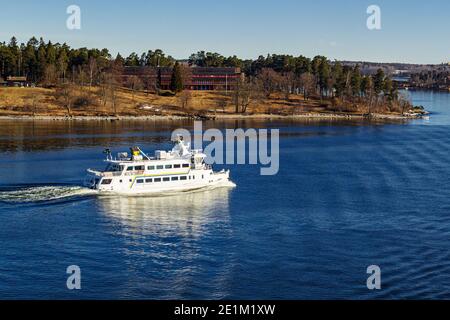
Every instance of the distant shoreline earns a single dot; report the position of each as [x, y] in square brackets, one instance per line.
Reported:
[212, 117]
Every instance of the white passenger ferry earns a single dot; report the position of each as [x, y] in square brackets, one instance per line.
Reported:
[180, 169]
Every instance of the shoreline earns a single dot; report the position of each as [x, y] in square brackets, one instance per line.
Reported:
[212, 117]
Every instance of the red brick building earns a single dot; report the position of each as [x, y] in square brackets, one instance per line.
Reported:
[196, 78]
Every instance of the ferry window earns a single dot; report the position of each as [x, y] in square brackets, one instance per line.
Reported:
[177, 166]
[139, 168]
[168, 166]
[183, 178]
[106, 181]
[130, 168]
[203, 177]
[140, 181]
[148, 180]
[114, 168]
[159, 167]
[193, 177]
[120, 181]
[151, 167]
[174, 178]
[157, 180]
[186, 165]
[131, 180]
[166, 179]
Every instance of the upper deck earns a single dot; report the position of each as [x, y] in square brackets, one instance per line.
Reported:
[178, 160]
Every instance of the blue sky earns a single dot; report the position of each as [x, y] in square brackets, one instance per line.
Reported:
[412, 31]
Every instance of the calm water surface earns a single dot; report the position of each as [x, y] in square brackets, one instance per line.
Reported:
[348, 195]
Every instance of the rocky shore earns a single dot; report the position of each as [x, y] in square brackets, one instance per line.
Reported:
[305, 116]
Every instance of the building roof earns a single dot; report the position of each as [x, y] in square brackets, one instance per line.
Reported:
[10, 78]
[145, 70]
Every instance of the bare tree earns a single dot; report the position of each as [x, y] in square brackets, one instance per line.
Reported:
[222, 103]
[369, 95]
[114, 99]
[108, 89]
[104, 87]
[50, 75]
[66, 94]
[403, 104]
[109, 84]
[269, 80]
[246, 91]
[307, 83]
[134, 83]
[185, 99]
[34, 102]
[81, 76]
[287, 83]
[92, 71]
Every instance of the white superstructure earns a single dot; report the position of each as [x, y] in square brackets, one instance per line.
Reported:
[180, 169]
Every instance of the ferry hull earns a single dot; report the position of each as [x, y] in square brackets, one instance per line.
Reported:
[214, 179]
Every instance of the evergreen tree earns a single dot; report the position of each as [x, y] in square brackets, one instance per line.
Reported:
[339, 83]
[324, 74]
[378, 82]
[51, 53]
[356, 81]
[132, 60]
[119, 61]
[176, 83]
[30, 62]
[366, 86]
[41, 59]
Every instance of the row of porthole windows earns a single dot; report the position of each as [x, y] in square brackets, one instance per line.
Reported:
[159, 167]
[165, 179]
[150, 180]
[169, 166]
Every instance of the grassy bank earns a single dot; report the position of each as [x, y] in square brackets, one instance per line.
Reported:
[89, 103]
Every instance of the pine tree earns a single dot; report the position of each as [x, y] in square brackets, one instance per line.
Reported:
[176, 83]
[51, 53]
[41, 59]
[378, 82]
[339, 79]
[356, 81]
[119, 61]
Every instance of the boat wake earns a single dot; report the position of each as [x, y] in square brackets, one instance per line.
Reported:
[31, 194]
[42, 194]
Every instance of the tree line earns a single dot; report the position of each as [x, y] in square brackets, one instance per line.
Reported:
[55, 64]
[432, 79]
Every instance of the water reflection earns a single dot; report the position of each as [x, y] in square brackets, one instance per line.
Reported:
[183, 215]
[29, 136]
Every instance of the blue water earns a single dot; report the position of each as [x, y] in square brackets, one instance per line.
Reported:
[348, 195]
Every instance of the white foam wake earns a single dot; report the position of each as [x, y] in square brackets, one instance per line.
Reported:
[43, 193]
